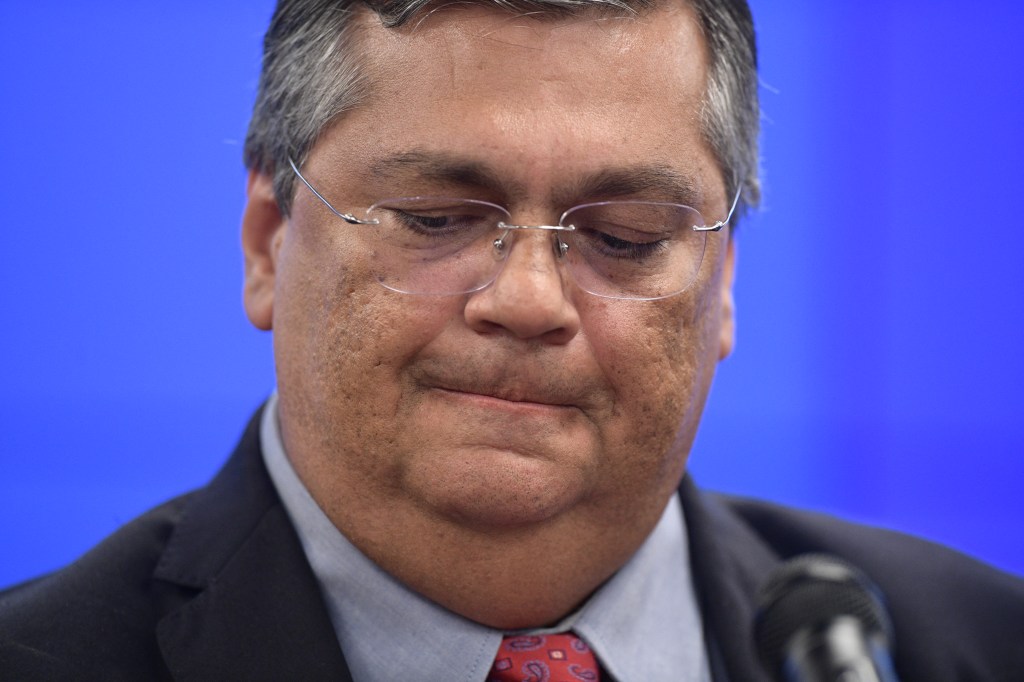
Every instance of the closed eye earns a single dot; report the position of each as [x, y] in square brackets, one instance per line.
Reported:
[439, 225]
[612, 246]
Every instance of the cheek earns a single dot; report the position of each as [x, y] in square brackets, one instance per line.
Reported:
[340, 337]
[638, 353]
[328, 284]
[659, 356]
[647, 349]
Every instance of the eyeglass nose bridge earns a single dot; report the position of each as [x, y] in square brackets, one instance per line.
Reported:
[562, 246]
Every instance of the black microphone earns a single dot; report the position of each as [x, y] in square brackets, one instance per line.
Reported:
[822, 620]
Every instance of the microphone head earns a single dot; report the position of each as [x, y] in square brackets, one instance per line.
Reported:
[809, 592]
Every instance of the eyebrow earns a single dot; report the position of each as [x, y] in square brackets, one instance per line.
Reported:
[651, 181]
[440, 166]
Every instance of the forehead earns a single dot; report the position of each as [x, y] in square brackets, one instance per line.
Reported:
[657, 34]
[545, 97]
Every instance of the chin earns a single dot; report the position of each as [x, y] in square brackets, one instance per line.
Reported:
[493, 489]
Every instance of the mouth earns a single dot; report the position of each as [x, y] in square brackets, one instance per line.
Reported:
[518, 391]
[505, 397]
[513, 386]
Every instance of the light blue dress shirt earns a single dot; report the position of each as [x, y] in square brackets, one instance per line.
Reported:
[643, 623]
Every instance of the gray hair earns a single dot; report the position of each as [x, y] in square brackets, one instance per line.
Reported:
[311, 76]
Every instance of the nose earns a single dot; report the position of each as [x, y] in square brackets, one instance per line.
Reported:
[528, 299]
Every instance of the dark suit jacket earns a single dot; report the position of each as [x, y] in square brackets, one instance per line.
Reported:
[214, 585]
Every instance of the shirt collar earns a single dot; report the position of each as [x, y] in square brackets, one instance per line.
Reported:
[643, 623]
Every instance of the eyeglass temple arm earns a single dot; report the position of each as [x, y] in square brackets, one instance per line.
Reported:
[347, 217]
[721, 223]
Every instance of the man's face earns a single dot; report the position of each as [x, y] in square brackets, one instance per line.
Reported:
[529, 402]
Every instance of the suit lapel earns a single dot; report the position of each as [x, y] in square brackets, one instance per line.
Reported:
[729, 563]
[244, 602]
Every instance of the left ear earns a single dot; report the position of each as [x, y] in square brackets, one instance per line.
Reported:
[727, 323]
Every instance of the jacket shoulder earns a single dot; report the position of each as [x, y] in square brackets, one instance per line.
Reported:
[944, 605]
[102, 607]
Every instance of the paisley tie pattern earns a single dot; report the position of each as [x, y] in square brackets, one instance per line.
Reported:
[544, 658]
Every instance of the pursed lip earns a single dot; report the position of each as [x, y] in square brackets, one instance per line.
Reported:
[511, 396]
[522, 390]
[514, 384]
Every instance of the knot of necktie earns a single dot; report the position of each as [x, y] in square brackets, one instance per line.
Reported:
[544, 658]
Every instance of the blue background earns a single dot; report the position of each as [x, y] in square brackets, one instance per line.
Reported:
[879, 368]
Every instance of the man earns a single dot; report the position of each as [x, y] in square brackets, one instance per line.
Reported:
[495, 249]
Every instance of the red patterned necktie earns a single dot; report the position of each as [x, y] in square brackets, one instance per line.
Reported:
[544, 658]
